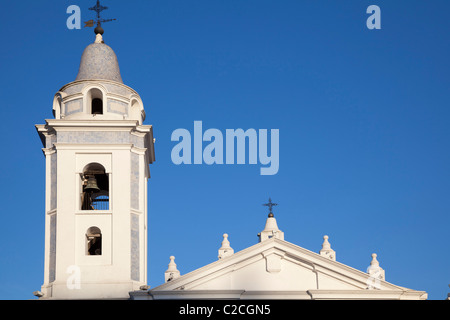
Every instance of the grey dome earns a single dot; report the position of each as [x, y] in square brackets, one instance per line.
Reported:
[99, 62]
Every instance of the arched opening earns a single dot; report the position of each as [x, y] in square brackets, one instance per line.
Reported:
[97, 106]
[57, 106]
[93, 242]
[95, 101]
[95, 193]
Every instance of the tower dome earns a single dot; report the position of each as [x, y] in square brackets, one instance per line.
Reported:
[98, 92]
[99, 62]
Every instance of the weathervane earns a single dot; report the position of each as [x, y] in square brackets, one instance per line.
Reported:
[270, 205]
[97, 8]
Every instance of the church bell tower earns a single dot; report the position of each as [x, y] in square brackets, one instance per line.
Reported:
[97, 156]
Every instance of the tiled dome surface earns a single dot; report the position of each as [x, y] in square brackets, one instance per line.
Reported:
[99, 62]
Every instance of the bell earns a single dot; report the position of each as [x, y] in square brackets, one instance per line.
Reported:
[91, 185]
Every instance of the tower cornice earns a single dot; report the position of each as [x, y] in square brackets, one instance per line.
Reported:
[96, 81]
[93, 124]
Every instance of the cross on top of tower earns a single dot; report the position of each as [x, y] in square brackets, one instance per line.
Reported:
[97, 8]
[270, 204]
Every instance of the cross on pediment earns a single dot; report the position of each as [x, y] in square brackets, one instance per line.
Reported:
[270, 204]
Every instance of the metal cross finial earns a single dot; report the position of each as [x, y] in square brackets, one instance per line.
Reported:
[97, 8]
[270, 205]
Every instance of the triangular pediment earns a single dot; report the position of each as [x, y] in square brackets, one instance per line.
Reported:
[276, 266]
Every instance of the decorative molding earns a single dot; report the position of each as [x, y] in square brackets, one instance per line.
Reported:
[83, 147]
[96, 81]
[273, 259]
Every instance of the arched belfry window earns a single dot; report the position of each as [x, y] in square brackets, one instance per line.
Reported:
[95, 101]
[93, 242]
[57, 106]
[95, 193]
[97, 106]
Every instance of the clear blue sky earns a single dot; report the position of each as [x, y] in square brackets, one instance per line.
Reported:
[363, 118]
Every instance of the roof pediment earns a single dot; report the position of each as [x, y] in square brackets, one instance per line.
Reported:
[277, 267]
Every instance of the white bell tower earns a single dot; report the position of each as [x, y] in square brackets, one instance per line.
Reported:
[97, 155]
